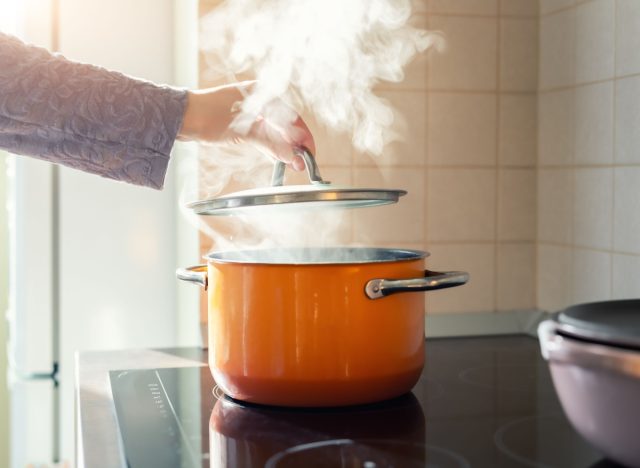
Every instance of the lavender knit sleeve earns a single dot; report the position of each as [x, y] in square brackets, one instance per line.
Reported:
[86, 117]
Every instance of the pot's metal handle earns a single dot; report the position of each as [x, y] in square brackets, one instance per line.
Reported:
[277, 177]
[432, 280]
[194, 274]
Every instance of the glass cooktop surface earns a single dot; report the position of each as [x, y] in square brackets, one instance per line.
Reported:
[480, 402]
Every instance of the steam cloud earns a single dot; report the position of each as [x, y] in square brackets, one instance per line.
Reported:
[321, 57]
[324, 56]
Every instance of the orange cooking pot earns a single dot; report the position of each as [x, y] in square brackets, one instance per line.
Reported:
[318, 326]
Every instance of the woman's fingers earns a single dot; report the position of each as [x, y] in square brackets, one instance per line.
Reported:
[284, 142]
[212, 116]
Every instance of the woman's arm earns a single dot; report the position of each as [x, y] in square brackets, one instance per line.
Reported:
[86, 117]
[109, 124]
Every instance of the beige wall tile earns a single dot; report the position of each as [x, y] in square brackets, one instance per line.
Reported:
[400, 222]
[594, 124]
[628, 37]
[555, 205]
[517, 204]
[332, 148]
[557, 49]
[415, 73]
[626, 271]
[478, 295]
[336, 175]
[462, 129]
[556, 127]
[419, 6]
[520, 7]
[595, 40]
[518, 130]
[467, 7]
[516, 276]
[547, 6]
[403, 245]
[554, 277]
[461, 205]
[410, 126]
[591, 276]
[469, 60]
[626, 213]
[518, 54]
[627, 121]
[593, 206]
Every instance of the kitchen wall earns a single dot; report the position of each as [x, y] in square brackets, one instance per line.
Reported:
[470, 153]
[589, 162]
[467, 154]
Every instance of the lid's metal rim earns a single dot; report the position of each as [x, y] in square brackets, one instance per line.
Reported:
[238, 256]
[369, 197]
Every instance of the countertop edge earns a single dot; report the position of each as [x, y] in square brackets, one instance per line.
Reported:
[102, 447]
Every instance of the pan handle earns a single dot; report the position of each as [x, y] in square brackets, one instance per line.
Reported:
[561, 349]
[194, 274]
[432, 280]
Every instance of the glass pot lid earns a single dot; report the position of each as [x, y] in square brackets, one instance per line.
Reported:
[318, 194]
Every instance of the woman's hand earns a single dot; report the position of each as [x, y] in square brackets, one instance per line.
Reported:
[210, 113]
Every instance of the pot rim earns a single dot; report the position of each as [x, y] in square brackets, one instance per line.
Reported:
[310, 256]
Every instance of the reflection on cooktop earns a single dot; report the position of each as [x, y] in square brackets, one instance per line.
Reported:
[481, 402]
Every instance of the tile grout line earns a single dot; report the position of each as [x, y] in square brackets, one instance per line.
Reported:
[512, 167]
[614, 104]
[578, 246]
[536, 244]
[566, 8]
[536, 170]
[483, 91]
[476, 15]
[572, 178]
[584, 84]
[589, 166]
[496, 225]
[496, 259]
[425, 169]
[483, 241]
[453, 166]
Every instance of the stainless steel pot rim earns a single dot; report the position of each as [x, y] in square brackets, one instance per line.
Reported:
[312, 196]
[310, 256]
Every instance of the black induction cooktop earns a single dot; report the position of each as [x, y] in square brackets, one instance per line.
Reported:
[480, 402]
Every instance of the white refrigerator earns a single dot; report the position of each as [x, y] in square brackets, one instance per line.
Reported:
[92, 261]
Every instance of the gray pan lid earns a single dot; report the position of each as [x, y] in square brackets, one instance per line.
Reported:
[609, 322]
[318, 194]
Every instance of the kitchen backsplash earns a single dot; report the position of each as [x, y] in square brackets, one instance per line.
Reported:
[589, 158]
[518, 150]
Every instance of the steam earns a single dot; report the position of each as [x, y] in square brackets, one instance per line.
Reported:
[324, 56]
[237, 167]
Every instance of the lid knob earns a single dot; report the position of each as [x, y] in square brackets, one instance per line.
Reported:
[277, 177]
